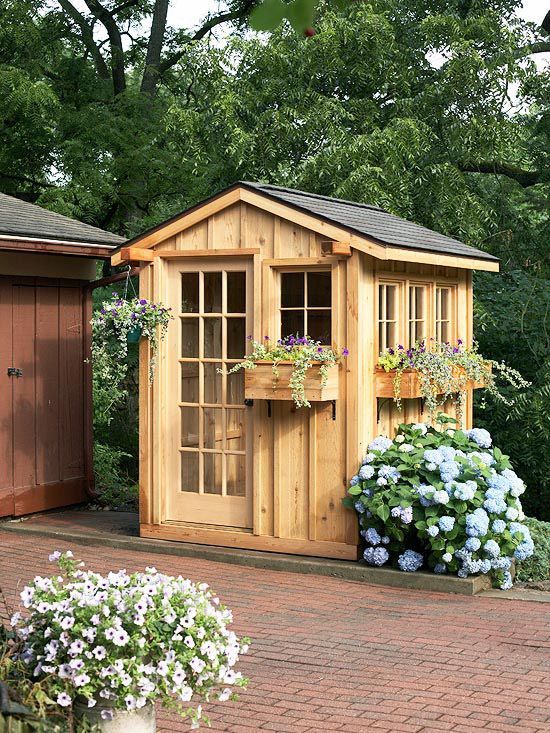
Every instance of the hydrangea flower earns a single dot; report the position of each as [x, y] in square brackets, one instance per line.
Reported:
[512, 513]
[440, 568]
[477, 523]
[480, 436]
[376, 555]
[360, 507]
[472, 544]
[390, 473]
[410, 561]
[449, 470]
[372, 536]
[491, 548]
[446, 523]
[433, 457]
[381, 444]
[354, 480]
[433, 531]
[465, 491]
[498, 526]
[440, 497]
[494, 502]
[517, 487]
[366, 472]
[420, 426]
[499, 482]
[369, 458]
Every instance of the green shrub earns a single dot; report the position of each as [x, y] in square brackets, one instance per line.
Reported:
[114, 486]
[536, 567]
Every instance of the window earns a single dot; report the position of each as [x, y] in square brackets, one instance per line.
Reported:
[306, 299]
[417, 313]
[387, 316]
[443, 309]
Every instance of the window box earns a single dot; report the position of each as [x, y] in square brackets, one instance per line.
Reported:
[410, 383]
[261, 384]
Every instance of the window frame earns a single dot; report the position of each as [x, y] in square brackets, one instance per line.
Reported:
[399, 306]
[283, 270]
[425, 287]
[452, 319]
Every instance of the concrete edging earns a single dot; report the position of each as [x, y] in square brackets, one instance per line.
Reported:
[343, 569]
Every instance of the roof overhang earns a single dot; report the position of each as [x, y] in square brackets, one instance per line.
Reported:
[329, 230]
[11, 242]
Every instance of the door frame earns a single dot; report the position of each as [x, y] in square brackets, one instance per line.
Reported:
[218, 512]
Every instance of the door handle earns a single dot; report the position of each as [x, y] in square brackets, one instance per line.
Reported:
[14, 372]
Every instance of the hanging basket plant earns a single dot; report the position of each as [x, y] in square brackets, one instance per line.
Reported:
[440, 372]
[116, 324]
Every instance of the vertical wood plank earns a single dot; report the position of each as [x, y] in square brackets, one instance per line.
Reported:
[87, 389]
[71, 384]
[291, 470]
[24, 415]
[48, 427]
[6, 403]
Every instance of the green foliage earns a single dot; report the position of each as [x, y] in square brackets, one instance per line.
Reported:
[114, 486]
[536, 567]
[512, 323]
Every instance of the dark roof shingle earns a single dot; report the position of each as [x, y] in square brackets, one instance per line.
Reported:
[22, 219]
[370, 221]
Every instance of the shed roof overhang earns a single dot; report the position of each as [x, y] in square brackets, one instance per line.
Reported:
[136, 248]
[12, 242]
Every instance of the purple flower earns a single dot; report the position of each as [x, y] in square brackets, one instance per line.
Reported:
[143, 301]
[266, 338]
[345, 352]
[319, 349]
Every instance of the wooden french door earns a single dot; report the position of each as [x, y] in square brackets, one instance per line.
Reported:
[208, 478]
[42, 396]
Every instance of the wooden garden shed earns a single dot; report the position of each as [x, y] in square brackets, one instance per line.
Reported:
[46, 264]
[224, 465]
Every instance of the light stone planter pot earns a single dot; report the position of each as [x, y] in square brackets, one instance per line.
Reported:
[123, 721]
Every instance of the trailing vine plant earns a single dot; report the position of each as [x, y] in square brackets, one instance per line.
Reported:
[116, 321]
[302, 351]
[445, 372]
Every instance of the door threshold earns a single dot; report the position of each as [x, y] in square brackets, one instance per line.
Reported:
[218, 527]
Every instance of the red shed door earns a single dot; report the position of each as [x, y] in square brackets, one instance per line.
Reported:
[42, 463]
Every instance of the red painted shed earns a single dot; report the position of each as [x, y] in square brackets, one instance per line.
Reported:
[47, 262]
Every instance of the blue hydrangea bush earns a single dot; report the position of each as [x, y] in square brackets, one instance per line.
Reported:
[441, 500]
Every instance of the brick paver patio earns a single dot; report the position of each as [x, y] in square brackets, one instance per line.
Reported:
[333, 655]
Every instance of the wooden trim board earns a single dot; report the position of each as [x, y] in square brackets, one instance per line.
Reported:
[246, 541]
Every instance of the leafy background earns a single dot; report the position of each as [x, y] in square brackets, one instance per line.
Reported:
[436, 110]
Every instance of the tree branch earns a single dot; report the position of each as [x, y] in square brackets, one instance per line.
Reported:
[154, 47]
[106, 18]
[208, 26]
[87, 38]
[524, 177]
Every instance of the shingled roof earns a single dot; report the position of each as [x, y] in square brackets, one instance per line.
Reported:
[20, 219]
[370, 221]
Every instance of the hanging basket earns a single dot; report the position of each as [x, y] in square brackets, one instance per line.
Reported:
[133, 336]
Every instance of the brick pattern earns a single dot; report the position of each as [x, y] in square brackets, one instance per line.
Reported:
[333, 655]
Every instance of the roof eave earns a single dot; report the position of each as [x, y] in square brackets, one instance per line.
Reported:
[14, 242]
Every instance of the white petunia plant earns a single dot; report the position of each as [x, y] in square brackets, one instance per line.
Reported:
[442, 500]
[128, 639]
